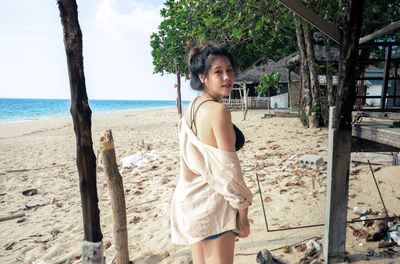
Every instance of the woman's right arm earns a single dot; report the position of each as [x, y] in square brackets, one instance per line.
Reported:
[243, 223]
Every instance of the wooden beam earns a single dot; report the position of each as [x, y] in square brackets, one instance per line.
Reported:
[380, 44]
[381, 134]
[395, 26]
[330, 30]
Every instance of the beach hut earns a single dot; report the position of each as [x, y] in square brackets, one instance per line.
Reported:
[247, 81]
[323, 56]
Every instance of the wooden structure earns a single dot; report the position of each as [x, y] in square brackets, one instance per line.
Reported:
[385, 132]
[390, 92]
[340, 124]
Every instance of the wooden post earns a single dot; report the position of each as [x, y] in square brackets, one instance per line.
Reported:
[336, 194]
[288, 90]
[386, 76]
[245, 96]
[116, 190]
[178, 88]
[340, 138]
[81, 116]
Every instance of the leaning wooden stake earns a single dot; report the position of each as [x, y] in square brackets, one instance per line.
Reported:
[116, 189]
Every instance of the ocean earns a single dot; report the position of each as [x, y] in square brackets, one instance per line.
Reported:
[16, 110]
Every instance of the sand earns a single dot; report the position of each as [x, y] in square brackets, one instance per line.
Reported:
[41, 155]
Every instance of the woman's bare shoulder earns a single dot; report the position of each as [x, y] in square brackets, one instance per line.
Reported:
[219, 111]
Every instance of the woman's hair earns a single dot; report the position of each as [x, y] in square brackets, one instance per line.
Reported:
[200, 60]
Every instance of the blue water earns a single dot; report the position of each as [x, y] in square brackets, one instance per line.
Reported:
[14, 110]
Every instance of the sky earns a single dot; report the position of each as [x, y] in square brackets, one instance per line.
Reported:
[116, 51]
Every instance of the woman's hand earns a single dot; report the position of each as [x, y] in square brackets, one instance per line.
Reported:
[243, 223]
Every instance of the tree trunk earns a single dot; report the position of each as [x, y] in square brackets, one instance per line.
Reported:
[116, 190]
[269, 102]
[314, 85]
[305, 74]
[331, 93]
[81, 116]
[178, 89]
[340, 137]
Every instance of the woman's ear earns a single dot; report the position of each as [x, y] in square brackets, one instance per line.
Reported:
[201, 77]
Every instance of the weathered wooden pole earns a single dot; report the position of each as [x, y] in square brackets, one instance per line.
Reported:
[178, 88]
[116, 190]
[92, 247]
[340, 137]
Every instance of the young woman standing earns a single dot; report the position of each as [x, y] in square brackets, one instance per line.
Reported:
[210, 202]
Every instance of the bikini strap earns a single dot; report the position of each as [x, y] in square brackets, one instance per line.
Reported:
[192, 112]
[193, 121]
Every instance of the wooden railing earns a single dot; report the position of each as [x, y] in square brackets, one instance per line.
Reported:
[252, 103]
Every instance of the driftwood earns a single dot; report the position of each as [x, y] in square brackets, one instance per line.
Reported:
[116, 189]
[10, 217]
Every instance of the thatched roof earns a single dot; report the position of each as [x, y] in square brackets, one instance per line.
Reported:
[292, 60]
[253, 74]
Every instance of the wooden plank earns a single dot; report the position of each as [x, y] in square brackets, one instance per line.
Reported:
[395, 26]
[380, 158]
[330, 30]
[384, 114]
[385, 135]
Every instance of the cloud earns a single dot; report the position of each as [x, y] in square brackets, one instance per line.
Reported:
[122, 44]
[142, 19]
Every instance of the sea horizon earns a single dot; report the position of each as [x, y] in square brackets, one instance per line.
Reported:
[29, 109]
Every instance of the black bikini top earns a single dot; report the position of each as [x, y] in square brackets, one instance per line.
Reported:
[239, 142]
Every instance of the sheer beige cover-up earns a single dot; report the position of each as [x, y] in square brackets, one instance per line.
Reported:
[205, 204]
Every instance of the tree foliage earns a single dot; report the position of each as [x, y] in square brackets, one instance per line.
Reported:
[251, 30]
[268, 81]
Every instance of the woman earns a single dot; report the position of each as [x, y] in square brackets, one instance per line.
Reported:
[209, 205]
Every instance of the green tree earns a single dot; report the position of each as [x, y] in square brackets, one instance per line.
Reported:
[251, 30]
[268, 82]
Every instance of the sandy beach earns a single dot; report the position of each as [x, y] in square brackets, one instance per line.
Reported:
[41, 155]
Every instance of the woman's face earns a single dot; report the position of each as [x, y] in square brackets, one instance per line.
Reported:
[219, 80]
